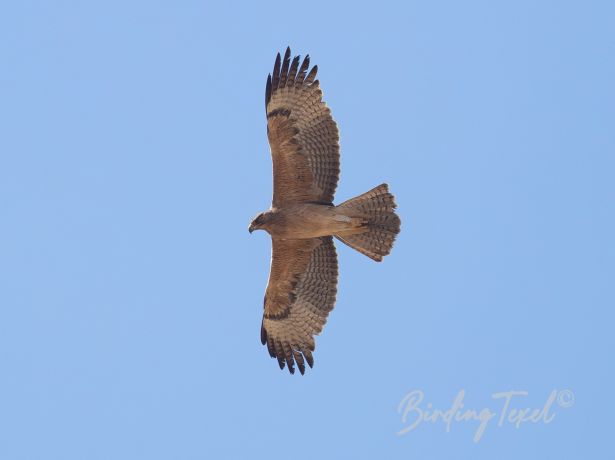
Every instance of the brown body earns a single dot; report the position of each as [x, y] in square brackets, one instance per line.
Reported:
[309, 220]
[303, 220]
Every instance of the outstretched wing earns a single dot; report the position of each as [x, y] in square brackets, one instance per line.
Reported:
[302, 135]
[300, 294]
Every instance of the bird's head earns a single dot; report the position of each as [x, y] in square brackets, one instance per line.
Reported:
[259, 222]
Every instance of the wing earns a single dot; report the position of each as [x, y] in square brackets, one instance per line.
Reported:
[302, 135]
[300, 294]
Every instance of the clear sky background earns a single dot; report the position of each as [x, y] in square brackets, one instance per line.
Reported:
[133, 155]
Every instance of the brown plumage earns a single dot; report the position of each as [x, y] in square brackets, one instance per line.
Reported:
[302, 219]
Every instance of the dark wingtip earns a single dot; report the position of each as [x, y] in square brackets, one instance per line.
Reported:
[292, 73]
[285, 66]
[271, 349]
[263, 333]
[268, 91]
[309, 358]
[303, 70]
[300, 362]
[311, 75]
[275, 79]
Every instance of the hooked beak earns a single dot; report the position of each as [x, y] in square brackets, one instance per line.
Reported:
[251, 228]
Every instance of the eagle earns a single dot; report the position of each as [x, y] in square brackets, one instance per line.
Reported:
[303, 220]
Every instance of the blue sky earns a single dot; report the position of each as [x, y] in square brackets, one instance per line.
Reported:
[133, 155]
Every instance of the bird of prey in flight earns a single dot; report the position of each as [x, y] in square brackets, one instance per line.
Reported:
[303, 220]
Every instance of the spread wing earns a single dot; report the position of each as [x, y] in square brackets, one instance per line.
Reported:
[300, 294]
[302, 135]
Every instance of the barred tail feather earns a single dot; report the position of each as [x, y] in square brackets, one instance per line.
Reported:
[377, 208]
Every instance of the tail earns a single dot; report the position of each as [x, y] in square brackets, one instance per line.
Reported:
[377, 209]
